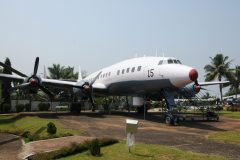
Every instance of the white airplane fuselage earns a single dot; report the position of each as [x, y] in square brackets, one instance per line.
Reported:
[143, 75]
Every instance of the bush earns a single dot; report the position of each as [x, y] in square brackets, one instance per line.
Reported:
[51, 128]
[28, 107]
[43, 106]
[33, 137]
[20, 107]
[72, 149]
[105, 141]
[6, 107]
[26, 134]
[94, 147]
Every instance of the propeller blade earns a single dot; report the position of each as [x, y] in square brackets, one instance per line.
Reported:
[21, 86]
[36, 66]
[45, 90]
[13, 70]
[196, 83]
[95, 78]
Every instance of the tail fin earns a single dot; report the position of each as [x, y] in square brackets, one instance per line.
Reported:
[79, 74]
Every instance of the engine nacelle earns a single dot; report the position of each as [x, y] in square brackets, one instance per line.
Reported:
[190, 90]
[138, 101]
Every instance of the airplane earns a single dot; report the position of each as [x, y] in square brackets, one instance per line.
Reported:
[141, 77]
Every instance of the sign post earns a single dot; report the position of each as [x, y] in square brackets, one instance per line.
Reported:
[131, 129]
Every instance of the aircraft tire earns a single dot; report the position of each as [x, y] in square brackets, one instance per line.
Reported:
[168, 120]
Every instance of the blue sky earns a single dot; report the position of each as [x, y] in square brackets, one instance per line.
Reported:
[95, 34]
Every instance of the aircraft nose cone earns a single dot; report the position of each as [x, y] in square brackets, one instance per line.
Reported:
[193, 74]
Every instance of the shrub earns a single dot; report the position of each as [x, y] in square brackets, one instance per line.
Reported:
[43, 106]
[20, 107]
[105, 141]
[28, 107]
[26, 134]
[72, 149]
[33, 137]
[94, 147]
[51, 128]
[6, 107]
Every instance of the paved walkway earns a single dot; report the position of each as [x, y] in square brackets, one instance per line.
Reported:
[10, 146]
[49, 145]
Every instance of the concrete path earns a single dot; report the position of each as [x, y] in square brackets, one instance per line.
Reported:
[10, 146]
[49, 145]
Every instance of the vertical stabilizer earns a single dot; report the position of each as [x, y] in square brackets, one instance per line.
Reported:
[44, 72]
[79, 74]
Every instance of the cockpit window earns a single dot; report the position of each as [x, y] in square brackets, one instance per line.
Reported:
[175, 61]
[179, 62]
[160, 62]
[170, 61]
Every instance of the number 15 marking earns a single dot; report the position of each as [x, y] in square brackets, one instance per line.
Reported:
[150, 73]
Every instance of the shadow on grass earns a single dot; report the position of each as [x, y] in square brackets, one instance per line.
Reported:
[141, 155]
[40, 130]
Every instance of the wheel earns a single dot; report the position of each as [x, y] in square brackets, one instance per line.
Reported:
[168, 120]
[175, 121]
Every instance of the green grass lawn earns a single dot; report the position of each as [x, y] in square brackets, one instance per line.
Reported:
[226, 137]
[35, 125]
[230, 114]
[119, 151]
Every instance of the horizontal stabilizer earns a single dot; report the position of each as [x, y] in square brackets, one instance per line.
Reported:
[212, 83]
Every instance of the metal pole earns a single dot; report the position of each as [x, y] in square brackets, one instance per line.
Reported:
[144, 110]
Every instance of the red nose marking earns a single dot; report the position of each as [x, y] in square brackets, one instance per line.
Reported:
[193, 74]
[33, 81]
[86, 88]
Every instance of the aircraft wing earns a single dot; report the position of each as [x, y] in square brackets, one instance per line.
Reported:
[99, 86]
[11, 77]
[59, 83]
[212, 83]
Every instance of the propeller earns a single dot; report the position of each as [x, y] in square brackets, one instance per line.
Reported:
[13, 70]
[88, 90]
[33, 82]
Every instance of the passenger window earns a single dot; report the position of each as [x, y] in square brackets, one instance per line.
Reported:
[160, 62]
[139, 68]
[127, 70]
[133, 69]
[123, 71]
[170, 61]
[118, 72]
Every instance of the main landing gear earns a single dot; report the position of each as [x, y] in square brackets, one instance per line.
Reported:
[171, 119]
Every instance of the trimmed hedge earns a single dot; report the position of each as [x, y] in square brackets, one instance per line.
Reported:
[20, 107]
[51, 128]
[74, 148]
[43, 106]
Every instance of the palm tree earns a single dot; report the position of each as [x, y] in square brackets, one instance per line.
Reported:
[68, 73]
[56, 71]
[218, 69]
[6, 85]
[235, 81]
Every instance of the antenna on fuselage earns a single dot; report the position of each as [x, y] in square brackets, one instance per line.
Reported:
[136, 55]
[156, 52]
